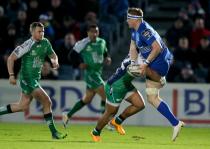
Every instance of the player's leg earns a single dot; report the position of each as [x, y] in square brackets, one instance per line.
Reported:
[100, 91]
[152, 91]
[137, 104]
[44, 99]
[87, 98]
[114, 98]
[109, 113]
[21, 105]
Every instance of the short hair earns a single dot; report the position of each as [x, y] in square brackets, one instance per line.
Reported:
[135, 11]
[91, 26]
[34, 25]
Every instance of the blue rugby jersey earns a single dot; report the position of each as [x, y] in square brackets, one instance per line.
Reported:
[143, 38]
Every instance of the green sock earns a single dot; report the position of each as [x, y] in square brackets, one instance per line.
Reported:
[96, 132]
[5, 110]
[76, 108]
[50, 122]
[119, 119]
[103, 106]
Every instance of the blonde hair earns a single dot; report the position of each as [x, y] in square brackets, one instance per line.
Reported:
[135, 11]
[34, 25]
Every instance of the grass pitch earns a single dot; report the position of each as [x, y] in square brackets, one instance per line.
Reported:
[37, 136]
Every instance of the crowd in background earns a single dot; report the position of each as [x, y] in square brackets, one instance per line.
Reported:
[66, 22]
[189, 40]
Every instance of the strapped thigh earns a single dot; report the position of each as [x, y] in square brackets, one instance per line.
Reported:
[152, 91]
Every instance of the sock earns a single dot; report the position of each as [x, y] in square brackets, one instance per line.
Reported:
[5, 109]
[76, 108]
[96, 132]
[50, 122]
[119, 119]
[103, 106]
[165, 111]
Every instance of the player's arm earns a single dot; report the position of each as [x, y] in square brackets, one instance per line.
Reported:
[133, 52]
[156, 49]
[75, 55]
[18, 52]
[77, 60]
[54, 60]
[153, 54]
[10, 66]
[107, 58]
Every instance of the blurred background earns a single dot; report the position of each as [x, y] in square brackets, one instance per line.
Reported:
[183, 25]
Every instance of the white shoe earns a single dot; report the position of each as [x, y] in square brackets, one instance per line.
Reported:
[65, 119]
[177, 129]
[109, 127]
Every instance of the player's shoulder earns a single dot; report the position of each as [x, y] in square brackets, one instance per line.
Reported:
[81, 44]
[83, 41]
[45, 40]
[146, 30]
[101, 40]
[27, 43]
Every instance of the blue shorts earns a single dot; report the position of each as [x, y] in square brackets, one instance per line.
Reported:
[162, 63]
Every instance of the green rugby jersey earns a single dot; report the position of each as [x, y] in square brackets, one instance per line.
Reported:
[92, 53]
[32, 56]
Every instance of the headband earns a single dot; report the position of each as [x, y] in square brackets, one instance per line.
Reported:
[130, 16]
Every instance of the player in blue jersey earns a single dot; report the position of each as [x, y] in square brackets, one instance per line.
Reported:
[147, 43]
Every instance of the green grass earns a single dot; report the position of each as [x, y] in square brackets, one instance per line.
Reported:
[37, 136]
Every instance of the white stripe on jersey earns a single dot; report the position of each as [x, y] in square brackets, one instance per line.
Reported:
[80, 45]
[24, 48]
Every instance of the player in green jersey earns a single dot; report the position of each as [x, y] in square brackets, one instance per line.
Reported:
[32, 53]
[119, 87]
[93, 53]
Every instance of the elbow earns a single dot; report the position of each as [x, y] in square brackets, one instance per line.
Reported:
[11, 58]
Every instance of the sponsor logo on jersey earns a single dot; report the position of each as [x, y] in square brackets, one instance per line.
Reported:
[33, 53]
[147, 33]
[89, 49]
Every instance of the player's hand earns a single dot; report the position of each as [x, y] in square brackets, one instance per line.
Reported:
[55, 64]
[108, 60]
[12, 80]
[83, 66]
[143, 69]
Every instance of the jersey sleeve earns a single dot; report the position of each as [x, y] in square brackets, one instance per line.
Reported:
[80, 45]
[105, 47]
[132, 35]
[148, 36]
[22, 49]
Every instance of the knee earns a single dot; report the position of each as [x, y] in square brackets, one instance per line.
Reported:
[152, 94]
[86, 101]
[24, 107]
[140, 105]
[110, 113]
[151, 99]
[48, 102]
